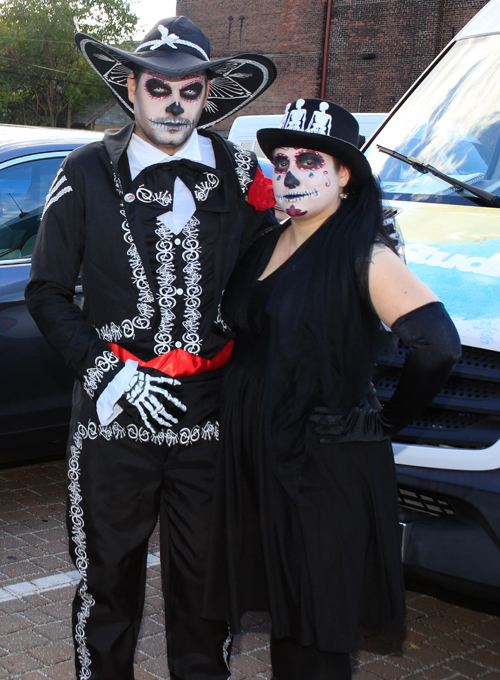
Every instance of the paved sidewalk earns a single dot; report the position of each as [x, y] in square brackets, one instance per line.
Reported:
[448, 638]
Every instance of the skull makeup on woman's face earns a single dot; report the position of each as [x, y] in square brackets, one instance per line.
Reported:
[166, 109]
[307, 183]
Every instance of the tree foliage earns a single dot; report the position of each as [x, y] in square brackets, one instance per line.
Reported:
[44, 78]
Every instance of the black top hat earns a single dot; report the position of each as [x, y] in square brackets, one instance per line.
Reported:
[176, 47]
[321, 126]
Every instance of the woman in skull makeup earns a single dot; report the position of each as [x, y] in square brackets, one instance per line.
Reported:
[306, 521]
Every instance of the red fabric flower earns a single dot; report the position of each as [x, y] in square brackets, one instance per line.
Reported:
[261, 194]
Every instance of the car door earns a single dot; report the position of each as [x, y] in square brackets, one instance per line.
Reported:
[35, 386]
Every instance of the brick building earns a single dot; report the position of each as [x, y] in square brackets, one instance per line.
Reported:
[376, 48]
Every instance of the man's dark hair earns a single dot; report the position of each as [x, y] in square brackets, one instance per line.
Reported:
[137, 69]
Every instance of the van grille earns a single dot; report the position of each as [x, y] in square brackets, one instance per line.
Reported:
[424, 501]
[465, 413]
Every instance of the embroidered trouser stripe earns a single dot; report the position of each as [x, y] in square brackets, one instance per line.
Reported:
[78, 538]
[120, 478]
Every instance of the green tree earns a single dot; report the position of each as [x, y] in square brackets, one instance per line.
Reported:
[44, 78]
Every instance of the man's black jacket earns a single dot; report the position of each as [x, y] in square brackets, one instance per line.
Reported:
[88, 229]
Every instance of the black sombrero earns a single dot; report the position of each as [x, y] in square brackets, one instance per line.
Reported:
[176, 47]
[321, 126]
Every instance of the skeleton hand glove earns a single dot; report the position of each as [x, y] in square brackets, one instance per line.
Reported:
[433, 350]
[152, 400]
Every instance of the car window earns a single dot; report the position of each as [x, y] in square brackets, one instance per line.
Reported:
[23, 188]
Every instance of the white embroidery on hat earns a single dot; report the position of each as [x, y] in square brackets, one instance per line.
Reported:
[116, 74]
[211, 107]
[119, 69]
[224, 86]
[171, 40]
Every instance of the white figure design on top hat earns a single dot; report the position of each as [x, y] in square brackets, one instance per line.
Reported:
[297, 117]
[320, 122]
[284, 117]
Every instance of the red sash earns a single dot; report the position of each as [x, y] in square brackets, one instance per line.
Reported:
[178, 362]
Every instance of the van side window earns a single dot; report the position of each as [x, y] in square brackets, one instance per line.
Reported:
[23, 188]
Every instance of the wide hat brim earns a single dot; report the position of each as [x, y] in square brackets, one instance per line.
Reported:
[237, 81]
[348, 154]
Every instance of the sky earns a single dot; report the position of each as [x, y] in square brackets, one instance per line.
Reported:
[149, 12]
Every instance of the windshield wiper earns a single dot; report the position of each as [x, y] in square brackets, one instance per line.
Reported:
[424, 168]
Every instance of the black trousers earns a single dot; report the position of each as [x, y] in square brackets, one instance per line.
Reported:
[120, 479]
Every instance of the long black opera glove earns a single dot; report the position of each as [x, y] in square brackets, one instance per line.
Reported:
[433, 350]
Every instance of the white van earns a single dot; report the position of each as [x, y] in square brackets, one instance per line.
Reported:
[438, 159]
[244, 128]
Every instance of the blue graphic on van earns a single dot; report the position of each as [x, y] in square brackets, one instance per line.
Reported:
[466, 277]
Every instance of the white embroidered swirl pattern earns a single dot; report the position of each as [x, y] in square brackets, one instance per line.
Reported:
[192, 277]
[164, 198]
[191, 251]
[186, 436]
[165, 276]
[79, 539]
[244, 161]
[203, 189]
[114, 332]
[93, 376]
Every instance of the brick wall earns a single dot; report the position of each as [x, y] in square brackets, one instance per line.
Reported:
[404, 36]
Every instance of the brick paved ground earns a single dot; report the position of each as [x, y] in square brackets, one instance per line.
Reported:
[448, 638]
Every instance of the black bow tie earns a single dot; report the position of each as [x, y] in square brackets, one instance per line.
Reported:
[154, 186]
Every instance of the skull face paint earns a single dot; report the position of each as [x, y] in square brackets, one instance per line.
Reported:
[307, 183]
[166, 109]
[309, 160]
[159, 88]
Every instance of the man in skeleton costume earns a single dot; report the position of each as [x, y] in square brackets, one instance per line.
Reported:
[153, 218]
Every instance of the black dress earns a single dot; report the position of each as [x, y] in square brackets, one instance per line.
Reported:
[305, 530]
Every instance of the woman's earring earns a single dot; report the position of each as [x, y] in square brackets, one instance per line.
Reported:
[279, 177]
[342, 195]
[311, 174]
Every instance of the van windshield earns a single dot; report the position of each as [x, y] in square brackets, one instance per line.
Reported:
[451, 121]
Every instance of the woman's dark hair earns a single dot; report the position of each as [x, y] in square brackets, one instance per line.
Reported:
[363, 227]
[371, 192]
